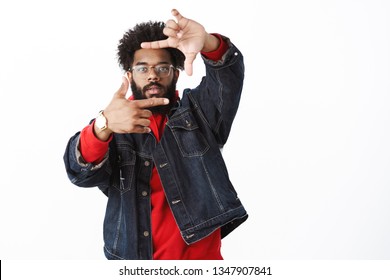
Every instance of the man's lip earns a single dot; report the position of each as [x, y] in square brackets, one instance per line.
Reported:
[153, 87]
[154, 90]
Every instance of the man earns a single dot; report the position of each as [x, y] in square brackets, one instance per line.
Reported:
[157, 156]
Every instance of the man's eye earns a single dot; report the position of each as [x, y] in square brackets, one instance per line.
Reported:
[142, 69]
[163, 69]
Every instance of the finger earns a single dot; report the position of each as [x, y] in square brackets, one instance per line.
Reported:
[190, 57]
[141, 129]
[171, 25]
[155, 44]
[122, 91]
[172, 33]
[181, 21]
[151, 102]
[188, 69]
[142, 122]
[176, 14]
[144, 113]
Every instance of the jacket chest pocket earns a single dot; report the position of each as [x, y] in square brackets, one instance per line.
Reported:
[188, 135]
[126, 158]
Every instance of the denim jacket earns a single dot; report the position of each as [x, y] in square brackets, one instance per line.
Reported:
[188, 160]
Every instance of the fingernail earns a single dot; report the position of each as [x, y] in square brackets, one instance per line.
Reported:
[166, 101]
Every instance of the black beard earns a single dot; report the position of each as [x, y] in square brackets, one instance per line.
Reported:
[170, 94]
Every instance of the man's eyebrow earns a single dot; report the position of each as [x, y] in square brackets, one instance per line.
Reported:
[145, 63]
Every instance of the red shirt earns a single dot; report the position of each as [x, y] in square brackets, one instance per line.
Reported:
[167, 241]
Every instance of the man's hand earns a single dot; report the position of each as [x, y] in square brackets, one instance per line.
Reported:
[186, 35]
[128, 116]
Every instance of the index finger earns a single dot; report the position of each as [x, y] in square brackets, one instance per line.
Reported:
[151, 102]
[155, 44]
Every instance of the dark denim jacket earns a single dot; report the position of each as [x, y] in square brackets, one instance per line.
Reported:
[188, 160]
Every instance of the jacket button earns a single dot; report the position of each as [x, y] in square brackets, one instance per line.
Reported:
[146, 233]
[147, 163]
[144, 193]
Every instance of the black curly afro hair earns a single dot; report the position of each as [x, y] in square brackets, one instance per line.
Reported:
[145, 32]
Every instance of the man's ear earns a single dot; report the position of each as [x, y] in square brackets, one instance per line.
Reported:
[177, 74]
[129, 76]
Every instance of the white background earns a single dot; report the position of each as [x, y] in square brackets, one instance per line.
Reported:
[308, 153]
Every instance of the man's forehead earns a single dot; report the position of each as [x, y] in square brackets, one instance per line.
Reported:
[152, 56]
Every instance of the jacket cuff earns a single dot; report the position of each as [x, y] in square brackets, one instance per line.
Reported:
[92, 149]
[218, 53]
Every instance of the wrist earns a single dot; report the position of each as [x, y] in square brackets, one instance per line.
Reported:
[102, 135]
[100, 127]
[211, 43]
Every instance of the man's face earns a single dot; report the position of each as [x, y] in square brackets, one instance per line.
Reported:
[152, 75]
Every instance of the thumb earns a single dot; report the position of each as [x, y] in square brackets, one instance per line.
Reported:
[190, 57]
[122, 91]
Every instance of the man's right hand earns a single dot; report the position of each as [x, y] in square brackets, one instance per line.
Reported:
[127, 116]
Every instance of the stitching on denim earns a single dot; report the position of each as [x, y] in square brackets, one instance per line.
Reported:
[118, 228]
[111, 254]
[212, 186]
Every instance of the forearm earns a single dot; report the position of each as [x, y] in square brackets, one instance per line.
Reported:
[222, 87]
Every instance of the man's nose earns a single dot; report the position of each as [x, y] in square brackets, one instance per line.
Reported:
[153, 74]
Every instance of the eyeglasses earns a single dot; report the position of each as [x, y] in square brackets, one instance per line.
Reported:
[162, 70]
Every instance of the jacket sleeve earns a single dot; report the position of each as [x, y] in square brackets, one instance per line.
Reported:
[85, 174]
[219, 92]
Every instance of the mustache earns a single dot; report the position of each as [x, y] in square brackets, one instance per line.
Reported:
[150, 85]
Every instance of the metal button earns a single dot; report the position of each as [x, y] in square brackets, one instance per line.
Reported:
[144, 193]
[147, 163]
[189, 236]
[162, 165]
[146, 233]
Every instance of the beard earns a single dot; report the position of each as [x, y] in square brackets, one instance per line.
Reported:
[170, 94]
